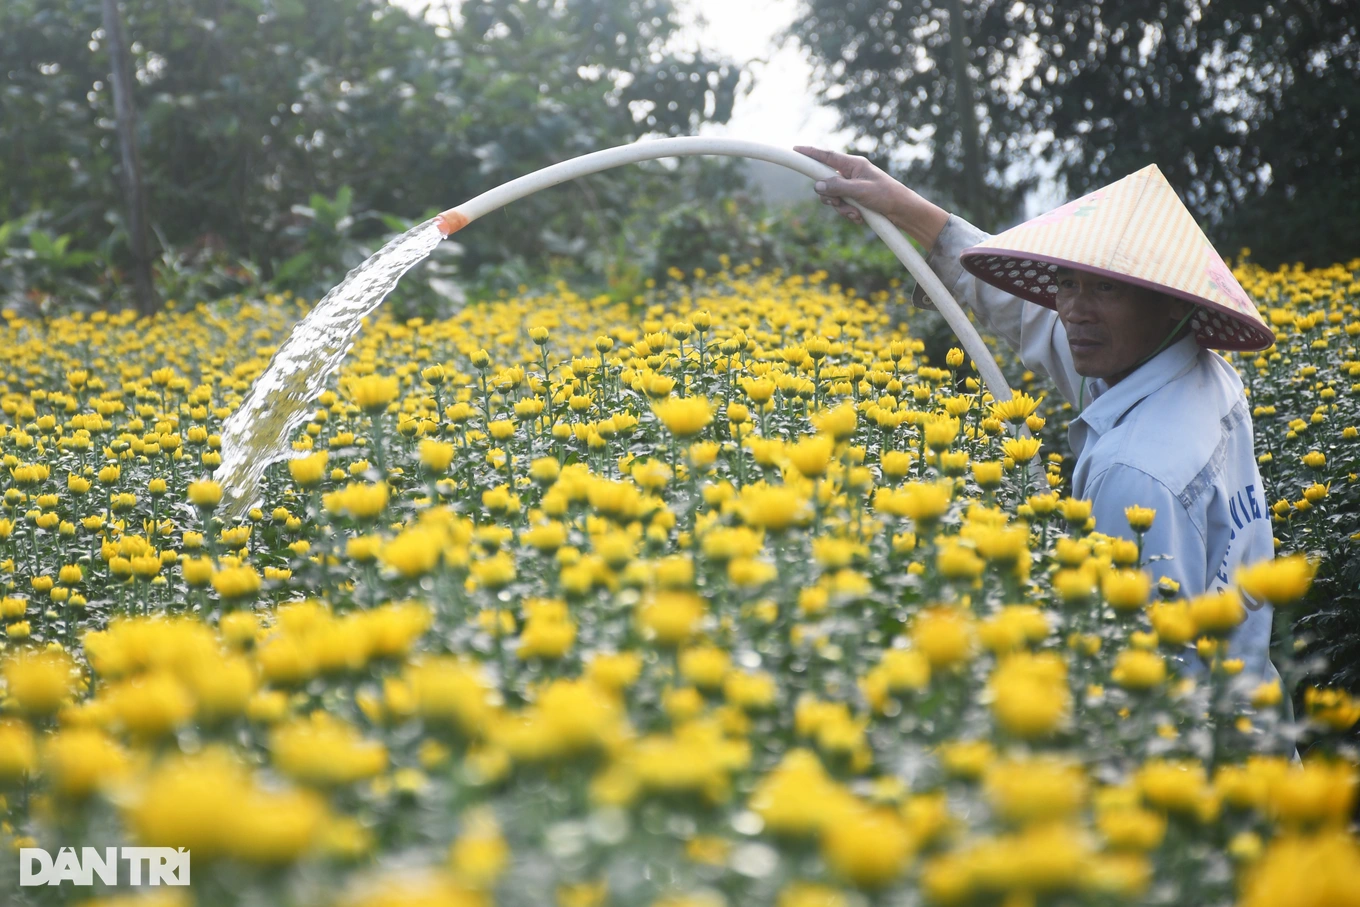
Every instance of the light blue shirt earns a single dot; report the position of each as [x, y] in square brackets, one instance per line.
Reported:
[1174, 435]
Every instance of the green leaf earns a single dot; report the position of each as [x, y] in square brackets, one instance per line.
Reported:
[343, 199]
[40, 241]
[293, 267]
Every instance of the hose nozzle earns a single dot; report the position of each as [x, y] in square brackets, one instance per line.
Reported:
[451, 221]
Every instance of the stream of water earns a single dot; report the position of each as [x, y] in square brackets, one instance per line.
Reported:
[261, 429]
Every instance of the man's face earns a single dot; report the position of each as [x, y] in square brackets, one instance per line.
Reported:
[1112, 325]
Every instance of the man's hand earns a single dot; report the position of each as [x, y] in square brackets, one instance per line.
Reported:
[862, 182]
[859, 180]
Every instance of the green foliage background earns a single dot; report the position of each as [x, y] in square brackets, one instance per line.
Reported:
[253, 111]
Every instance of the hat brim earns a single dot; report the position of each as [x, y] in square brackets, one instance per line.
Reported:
[1033, 278]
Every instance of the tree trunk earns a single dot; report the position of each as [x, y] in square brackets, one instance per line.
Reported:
[134, 190]
[965, 103]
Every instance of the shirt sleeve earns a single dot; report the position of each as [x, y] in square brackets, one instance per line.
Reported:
[1033, 331]
[1174, 539]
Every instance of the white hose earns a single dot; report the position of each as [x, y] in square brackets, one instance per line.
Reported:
[455, 219]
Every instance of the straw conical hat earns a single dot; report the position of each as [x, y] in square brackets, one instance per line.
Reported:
[1135, 230]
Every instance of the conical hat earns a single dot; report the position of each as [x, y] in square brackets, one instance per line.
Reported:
[1134, 230]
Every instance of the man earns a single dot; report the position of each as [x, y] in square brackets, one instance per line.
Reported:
[1116, 297]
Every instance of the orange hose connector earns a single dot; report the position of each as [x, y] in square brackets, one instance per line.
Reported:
[451, 221]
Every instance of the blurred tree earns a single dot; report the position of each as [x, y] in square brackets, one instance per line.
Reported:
[932, 75]
[249, 108]
[1248, 107]
[1309, 136]
[134, 188]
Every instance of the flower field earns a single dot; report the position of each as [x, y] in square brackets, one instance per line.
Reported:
[727, 597]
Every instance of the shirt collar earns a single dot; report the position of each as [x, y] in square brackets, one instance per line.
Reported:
[1109, 404]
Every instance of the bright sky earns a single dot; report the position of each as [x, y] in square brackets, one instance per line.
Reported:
[781, 109]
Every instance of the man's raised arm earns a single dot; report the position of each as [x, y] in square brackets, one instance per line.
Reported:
[1032, 331]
